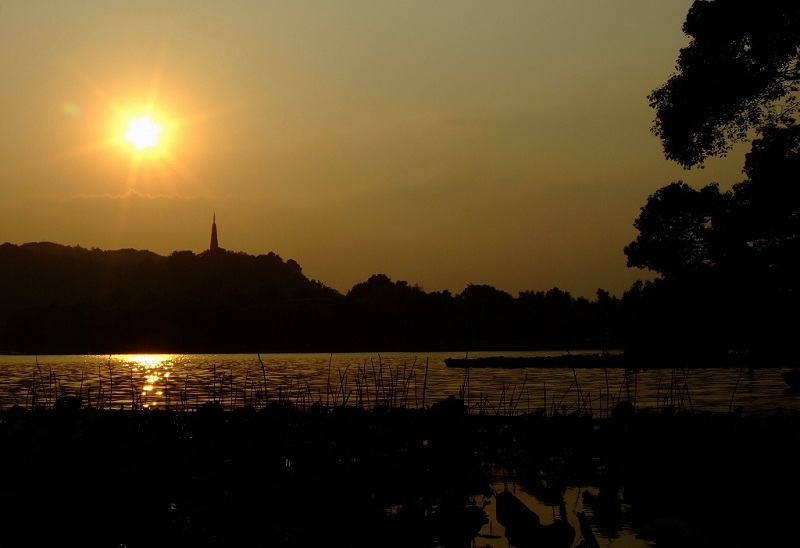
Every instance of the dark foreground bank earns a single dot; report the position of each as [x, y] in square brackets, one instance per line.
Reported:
[384, 477]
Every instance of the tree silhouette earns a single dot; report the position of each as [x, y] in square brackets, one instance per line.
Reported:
[729, 260]
[768, 203]
[740, 71]
[676, 230]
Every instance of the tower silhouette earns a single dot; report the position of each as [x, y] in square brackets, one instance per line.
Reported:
[214, 243]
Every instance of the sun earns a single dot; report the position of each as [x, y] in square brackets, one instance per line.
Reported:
[143, 132]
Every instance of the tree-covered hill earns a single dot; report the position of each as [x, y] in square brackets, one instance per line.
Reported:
[60, 299]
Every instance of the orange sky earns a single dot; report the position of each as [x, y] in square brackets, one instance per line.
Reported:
[445, 143]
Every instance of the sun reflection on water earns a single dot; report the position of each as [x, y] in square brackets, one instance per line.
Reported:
[154, 370]
[147, 360]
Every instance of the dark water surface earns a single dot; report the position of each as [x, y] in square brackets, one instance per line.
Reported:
[175, 380]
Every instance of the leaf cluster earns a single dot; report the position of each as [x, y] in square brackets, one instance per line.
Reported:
[740, 72]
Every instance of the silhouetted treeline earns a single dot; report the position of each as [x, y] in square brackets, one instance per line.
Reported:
[60, 299]
[380, 313]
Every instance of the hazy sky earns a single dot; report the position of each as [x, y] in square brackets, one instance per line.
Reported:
[440, 142]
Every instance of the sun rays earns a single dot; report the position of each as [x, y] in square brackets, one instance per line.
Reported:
[148, 134]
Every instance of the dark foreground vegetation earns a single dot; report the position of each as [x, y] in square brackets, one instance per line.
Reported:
[348, 476]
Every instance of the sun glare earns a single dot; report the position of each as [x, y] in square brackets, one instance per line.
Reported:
[143, 132]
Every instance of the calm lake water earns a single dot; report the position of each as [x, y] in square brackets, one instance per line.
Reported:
[188, 380]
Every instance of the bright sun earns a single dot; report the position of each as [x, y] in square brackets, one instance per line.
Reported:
[143, 132]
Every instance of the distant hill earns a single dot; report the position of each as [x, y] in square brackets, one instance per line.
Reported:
[57, 299]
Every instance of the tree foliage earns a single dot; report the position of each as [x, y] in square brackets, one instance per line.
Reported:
[751, 229]
[768, 203]
[740, 71]
[728, 260]
[676, 230]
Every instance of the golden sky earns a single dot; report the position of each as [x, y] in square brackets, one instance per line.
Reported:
[444, 143]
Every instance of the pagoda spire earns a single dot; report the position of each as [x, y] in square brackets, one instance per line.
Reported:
[214, 243]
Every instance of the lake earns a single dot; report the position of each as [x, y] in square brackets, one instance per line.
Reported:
[395, 378]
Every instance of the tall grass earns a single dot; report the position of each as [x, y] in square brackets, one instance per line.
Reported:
[369, 385]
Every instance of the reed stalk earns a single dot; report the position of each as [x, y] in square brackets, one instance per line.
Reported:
[264, 375]
[658, 392]
[577, 386]
[425, 383]
[730, 405]
[686, 387]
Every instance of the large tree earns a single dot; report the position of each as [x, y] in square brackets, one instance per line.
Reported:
[676, 230]
[750, 231]
[728, 260]
[740, 72]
